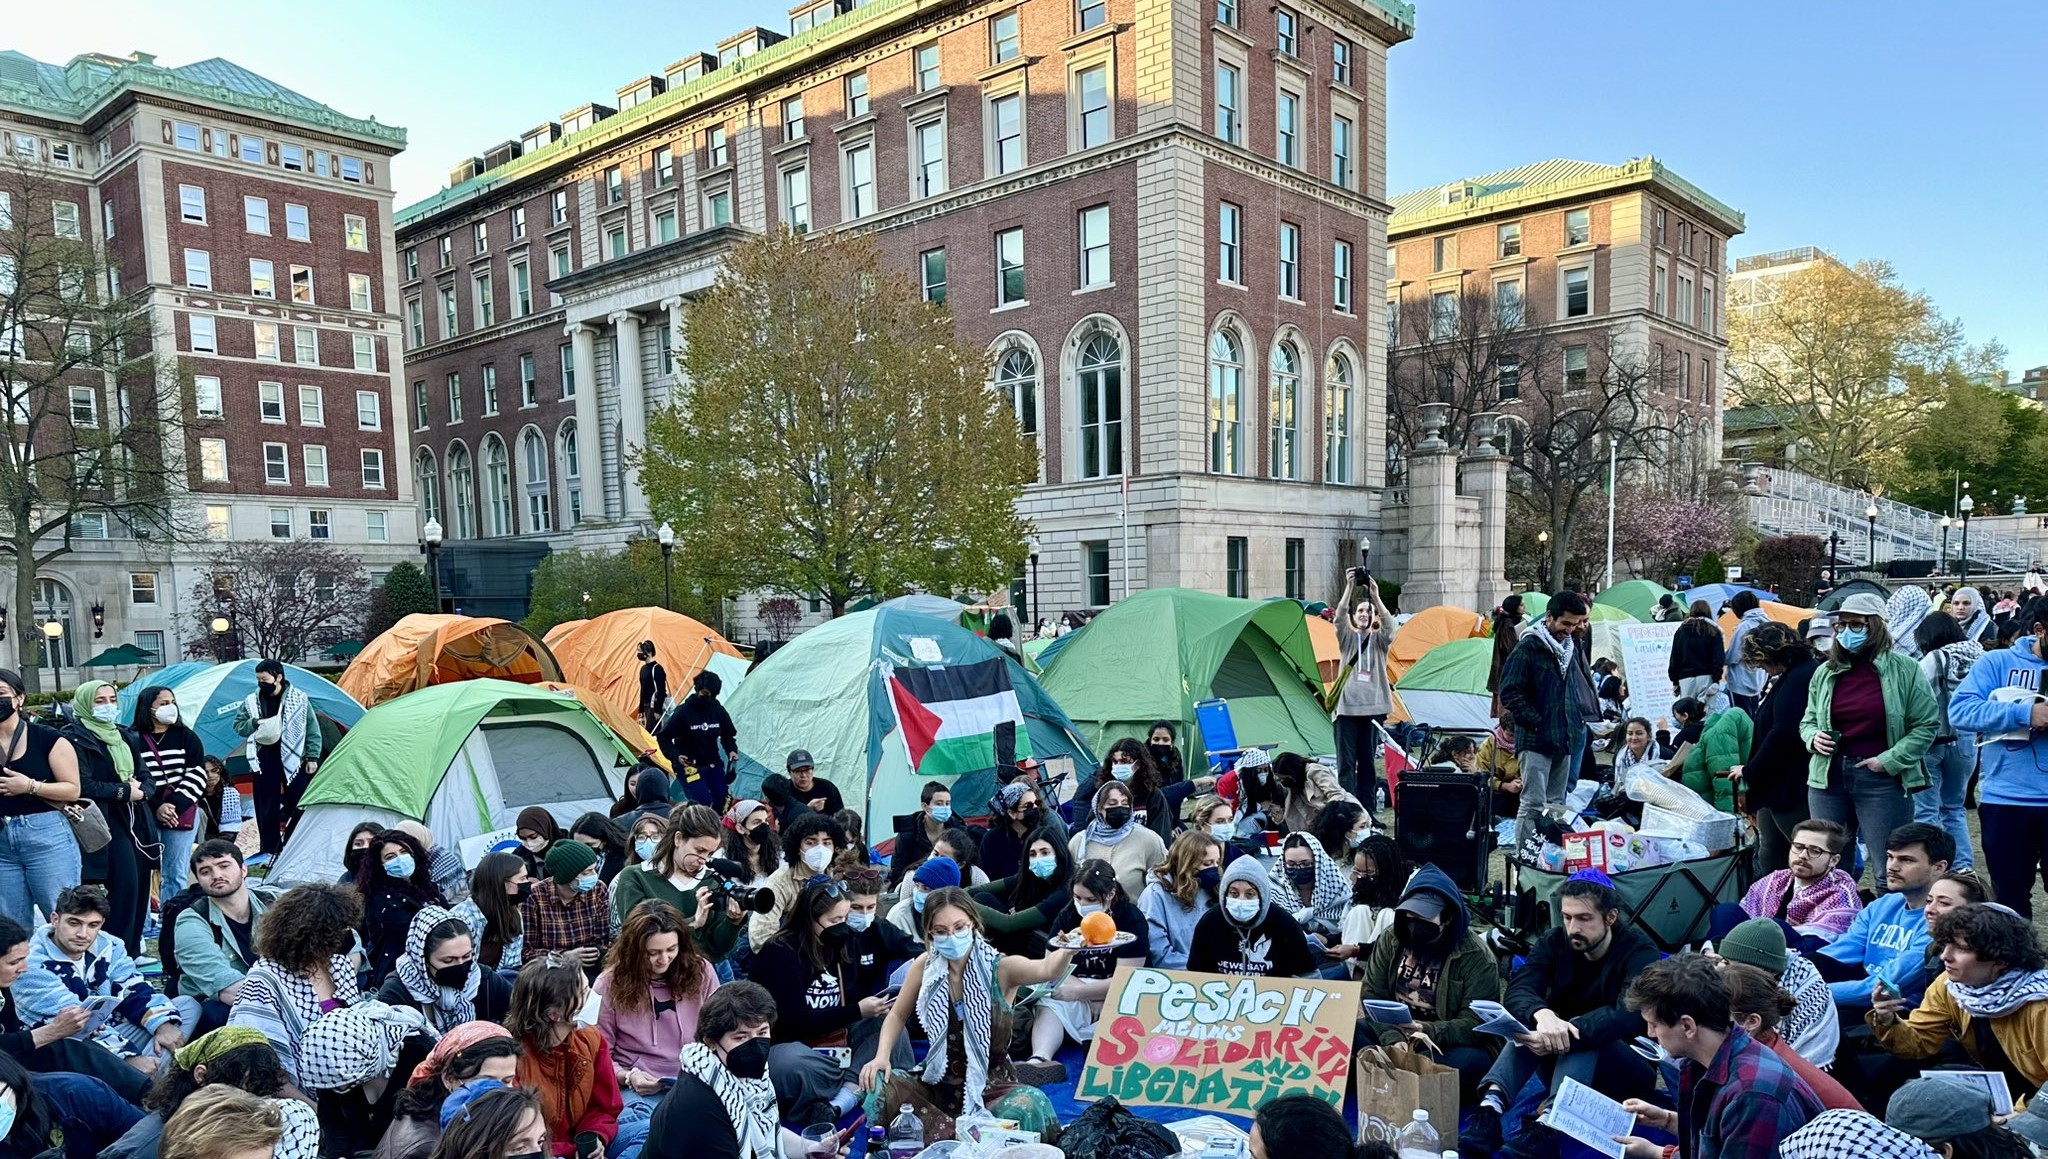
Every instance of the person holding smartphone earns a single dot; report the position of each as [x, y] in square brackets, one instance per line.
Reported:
[1364, 634]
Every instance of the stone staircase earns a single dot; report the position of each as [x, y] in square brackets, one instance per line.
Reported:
[1786, 502]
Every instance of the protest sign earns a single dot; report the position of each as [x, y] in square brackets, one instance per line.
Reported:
[496, 841]
[1646, 665]
[1171, 1038]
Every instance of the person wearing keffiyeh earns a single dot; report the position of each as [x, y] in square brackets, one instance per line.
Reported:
[1537, 695]
[438, 973]
[1991, 997]
[1852, 1135]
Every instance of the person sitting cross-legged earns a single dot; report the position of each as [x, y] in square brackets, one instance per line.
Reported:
[1435, 964]
[1991, 997]
[50, 1045]
[215, 932]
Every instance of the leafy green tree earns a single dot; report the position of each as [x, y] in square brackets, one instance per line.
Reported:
[832, 434]
[577, 585]
[1710, 571]
[1987, 437]
[404, 592]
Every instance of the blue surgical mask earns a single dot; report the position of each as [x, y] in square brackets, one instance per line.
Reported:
[917, 901]
[7, 1111]
[586, 883]
[105, 713]
[942, 813]
[1852, 639]
[1122, 771]
[1241, 909]
[1042, 867]
[858, 921]
[1084, 908]
[1223, 831]
[954, 947]
[644, 847]
[400, 866]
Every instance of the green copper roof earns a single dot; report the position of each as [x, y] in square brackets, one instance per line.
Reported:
[1552, 180]
[73, 91]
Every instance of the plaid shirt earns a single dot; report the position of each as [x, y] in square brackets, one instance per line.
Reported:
[558, 918]
[1742, 1105]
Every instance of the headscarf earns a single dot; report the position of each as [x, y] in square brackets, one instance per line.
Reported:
[539, 820]
[1099, 831]
[445, 1008]
[211, 1045]
[454, 1041]
[1903, 613]
[109, 734]
[748, 1103]
[1979, 623]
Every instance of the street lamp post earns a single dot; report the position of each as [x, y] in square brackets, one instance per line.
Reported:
[53, 631]
[666, 536]
[1543, 557]
[1941, 564]
[1834, 558]
[1870, 513]
[430, 540]
[221, 626]
[1965, 505]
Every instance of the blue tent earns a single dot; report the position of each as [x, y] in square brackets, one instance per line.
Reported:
[1718, 594]
[208, 695]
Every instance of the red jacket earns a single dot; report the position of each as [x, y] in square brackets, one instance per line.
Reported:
[579, 1090]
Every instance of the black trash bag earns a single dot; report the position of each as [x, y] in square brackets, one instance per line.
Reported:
[1108, 1131]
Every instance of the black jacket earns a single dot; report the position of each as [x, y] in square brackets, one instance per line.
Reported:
[787, 800]
[1697, 651]
[913, 845]
[387, 918]
[653, 686]
[132, 823]
[1590, 995]
[493, 995]
[808, 1005]
[1271, 946]
[690, 1123]
[698, 730]
[1776, 771]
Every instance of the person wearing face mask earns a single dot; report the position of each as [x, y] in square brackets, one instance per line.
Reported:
[1378, 876]
[654, 984]
[828, 998]
[605, 839]
[1215, 816]
[1870, 717]
[568, 915]
[174, 759]
[1071, 1010]
[439, 975]
[914, 837]
[1016, 814]
[1304, 788]
[396, 884]
[1993, 702]
[723, 1105]
[810, 844]
[751, 839]
[1181, 891]
[935, 874]
[278, 720]
[108, 774]
[1340, 828]
[537, 831]
[643, 837]
[1017, 912]
[491, 911]
[569, 1065]
[1162, 743]
[360, 838]
[1128, 763]
[1115, 836]
[1437, 966]
[1317, 891]
[653, 687]
[962, 992]
[876, 943]
[1247, 934]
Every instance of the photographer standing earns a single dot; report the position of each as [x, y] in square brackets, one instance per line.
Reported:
[1364, 634]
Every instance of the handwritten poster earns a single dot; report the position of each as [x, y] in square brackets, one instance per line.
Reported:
[1170, 1038]
[1646, 665]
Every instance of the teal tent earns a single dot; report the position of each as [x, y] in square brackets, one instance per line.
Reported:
[1636, 597]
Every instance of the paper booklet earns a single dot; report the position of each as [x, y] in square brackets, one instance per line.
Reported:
[1388, 1013]
[1589, 1116]
[1495, 1020]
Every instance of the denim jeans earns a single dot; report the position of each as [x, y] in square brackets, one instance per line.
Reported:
[177, 866]
[1949, 765]
[1545, 780]
[38, 858]
[634, 1121]
[1871, 803]
[92, 1115]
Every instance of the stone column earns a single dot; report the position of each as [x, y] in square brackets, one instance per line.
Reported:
[632, 412]
[590, 469]
[674, 308]
[1432, 518]
[1486, 478]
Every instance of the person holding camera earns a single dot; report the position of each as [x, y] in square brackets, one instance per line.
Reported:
[680, 876]
[1364, 634]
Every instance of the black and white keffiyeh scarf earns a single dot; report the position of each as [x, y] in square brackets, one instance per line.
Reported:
[1832, 1134]
[2002, 995]
[976, 1011]
[445, 1007]
[749, 1103]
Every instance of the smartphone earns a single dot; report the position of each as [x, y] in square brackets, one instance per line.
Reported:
[853, 1129]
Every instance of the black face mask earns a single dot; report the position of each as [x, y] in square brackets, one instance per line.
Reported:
[453, 977]
[1033, 818]
[1301, 875]
[758, 834]
[837, 935]
[1116, 817]
[6, 710]
[748, 1060]
[1416, 932]
[1209, 878]
[1161, 752]
[1361, 891]
[351, 860]
[524, 888]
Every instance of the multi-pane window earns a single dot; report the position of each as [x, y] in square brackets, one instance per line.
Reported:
[1340, 276]
[85, 407]
[1578, 226]
[793, 118]
[615, 242]
[1095, 115]
[486, 307]
[1297, 569]
[664, 165]
[1287, 120]
[312, 407]
[1508, 239]
[1006, 118]
[206, 400]
[262, 278]
[355, 232]
[716, 151]
[415, 323]
[1575, 367]
[1290, 260]
[319, 525]
[860, 180]
[302, 284]
[280, 523]
[419, 406]
[1090, 14]
[518, 223]
[522, 289]
[1341, 147]
[448, 315]
[558, 207]
[252, 150]
[1508, 378]
[314, 458]
[796, 198]
[1337, 421]
[267, 347]
[480, 237]
[1230, 103]
[305, 346]
[568, 364]
[1009, 267]
[364, 347]
[1507, 303]
[65, 221]
[1443, 314]
[857, 94]
[277, 464]
[561, 261]
[369, 410]
[1005, 41]
[1017, 379]
[192, 203]
[1685, 299]
[446, 246]
[932, 267]
[614, 185]
[1340, 60]
[359, 292]
[1226, 12]
[1094, 246]
[1098, 572]
[529, 383]
[490, 388]
[1578, 292]
[203, 341]
[1229, 243]
[1287, 31]
[1226, 404]
[198, 270]
[1237, 565]
[455, 398]
[298, 226]
[928, 171]
[1444, 252]
[142, 587]
[1284, 381]
[256, 215]
[377, 526]
[925, 64]
[1099, 383]
[213, 460]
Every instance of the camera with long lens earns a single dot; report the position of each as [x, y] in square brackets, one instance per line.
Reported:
[728, 881]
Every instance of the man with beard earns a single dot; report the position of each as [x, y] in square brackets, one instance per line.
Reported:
[1572, 993]
[216, 932]
[1886, 947]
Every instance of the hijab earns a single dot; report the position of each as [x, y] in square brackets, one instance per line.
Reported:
[108, 734]
[446, 1008]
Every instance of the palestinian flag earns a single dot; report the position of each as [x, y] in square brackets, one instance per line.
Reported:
[959, 718]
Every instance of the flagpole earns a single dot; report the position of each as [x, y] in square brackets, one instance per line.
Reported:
[1125, 488]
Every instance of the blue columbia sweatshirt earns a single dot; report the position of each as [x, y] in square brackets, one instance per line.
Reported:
[2015, 772]
[1890, 942]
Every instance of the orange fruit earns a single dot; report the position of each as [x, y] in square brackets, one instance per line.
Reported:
[1097, 929]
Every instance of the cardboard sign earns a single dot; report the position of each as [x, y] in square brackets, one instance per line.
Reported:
[1646, 663]
[496, 841]
[1171, 1038]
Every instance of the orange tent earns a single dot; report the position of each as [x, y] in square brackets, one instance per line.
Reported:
[560, 631]
[600, 653]
[1323, 635]
[426, 649]
[1425, 630]
[1778, 612]
[618, 720]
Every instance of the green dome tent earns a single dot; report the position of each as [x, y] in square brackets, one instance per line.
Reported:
[464, 758]
[1152, 655]
[1636, 597]
[1447, 687]
[843, 691]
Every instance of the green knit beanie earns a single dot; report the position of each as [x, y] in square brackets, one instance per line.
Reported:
[1758, 942]
[567, 859]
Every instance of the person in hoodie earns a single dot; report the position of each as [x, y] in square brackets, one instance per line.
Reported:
[2000, 701]
[1247, 935]
[74, 958]
[1745, 684]
[1437, 965]
[1572, 993]
[1946, 657]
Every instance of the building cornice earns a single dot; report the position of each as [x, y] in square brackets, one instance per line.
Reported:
[1641, 173]
[104, 85]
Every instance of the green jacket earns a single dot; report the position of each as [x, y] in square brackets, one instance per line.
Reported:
[634, 885]
[1724, 744]
[1911, 718]
[1471, 972]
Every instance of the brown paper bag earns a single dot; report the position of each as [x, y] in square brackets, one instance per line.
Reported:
[1394, 1084]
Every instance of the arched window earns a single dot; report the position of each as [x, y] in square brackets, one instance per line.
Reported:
[497, 487]
[1017, 379]
[572, 471]
[53, 604]
[1099, 383]
[1337, 422]
[540, 504]
[1285, 450]
[1226, 404]
[462, 492]
[427, 474]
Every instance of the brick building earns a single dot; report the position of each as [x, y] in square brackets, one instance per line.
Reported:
[254, 227]
[1164, 218]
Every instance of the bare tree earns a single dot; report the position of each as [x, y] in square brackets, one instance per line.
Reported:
[1460, 350]
[282, 599]
[92, 414]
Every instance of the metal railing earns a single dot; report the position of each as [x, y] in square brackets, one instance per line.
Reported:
[1783, 502]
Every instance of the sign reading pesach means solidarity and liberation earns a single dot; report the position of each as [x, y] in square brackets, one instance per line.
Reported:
[1169, 1038]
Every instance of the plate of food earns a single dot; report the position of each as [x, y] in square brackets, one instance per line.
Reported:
[1097, 934]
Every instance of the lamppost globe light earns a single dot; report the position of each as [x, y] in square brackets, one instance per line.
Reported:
[431, 532]
[1870, 512]
[54, 629]
[665, 535]
[219, 625]
[1967, 505]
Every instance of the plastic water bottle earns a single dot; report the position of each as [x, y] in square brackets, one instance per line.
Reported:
[906, 1135]
[878, 1142]
[1419, 1140]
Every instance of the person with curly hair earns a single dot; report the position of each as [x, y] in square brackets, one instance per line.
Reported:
[396, 880]
[1130, 764]
[238, 1057]
[1991, 996]
[654, 982]
[302, 969]
[811, 842]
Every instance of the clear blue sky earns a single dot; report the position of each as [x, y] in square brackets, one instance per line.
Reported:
[1910, 132]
